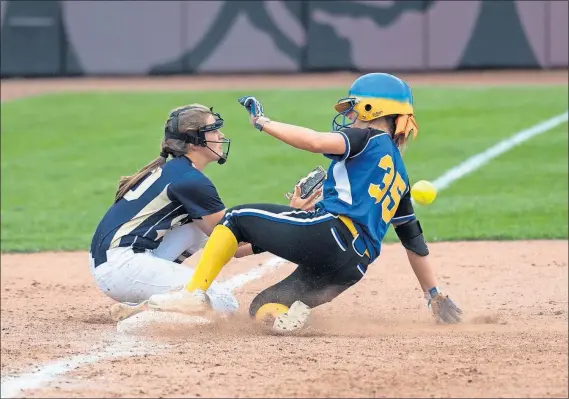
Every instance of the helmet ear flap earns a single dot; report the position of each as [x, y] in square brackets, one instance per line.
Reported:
[367, 112]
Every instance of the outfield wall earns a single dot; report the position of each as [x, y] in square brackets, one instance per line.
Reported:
[60, 38]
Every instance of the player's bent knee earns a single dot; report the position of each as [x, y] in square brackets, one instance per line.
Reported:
[231, 212]
[230, 222]
[411, 236]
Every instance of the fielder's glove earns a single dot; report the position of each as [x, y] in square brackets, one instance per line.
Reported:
[308, 191]
[310, 183]
[256, 112]
[443, 308]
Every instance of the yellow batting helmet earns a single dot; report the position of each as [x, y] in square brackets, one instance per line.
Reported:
[375, 95]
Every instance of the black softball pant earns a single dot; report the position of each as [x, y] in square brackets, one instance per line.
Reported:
[318, 242]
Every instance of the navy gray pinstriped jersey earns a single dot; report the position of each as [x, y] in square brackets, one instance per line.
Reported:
[169, 196]
[369, 185]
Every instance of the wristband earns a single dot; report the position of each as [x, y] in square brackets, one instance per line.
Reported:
[433, 292]
[260, 122]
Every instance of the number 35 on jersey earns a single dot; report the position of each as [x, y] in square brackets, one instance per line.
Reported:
[389, 192]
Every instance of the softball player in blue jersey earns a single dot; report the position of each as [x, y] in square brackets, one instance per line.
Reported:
[366, 190]
[163, 214]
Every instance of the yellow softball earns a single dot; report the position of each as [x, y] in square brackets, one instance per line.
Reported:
[423, 192]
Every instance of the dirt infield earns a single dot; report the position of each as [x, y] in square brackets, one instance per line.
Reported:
[375, 340]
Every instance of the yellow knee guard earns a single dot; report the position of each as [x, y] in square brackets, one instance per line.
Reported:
[270, 311]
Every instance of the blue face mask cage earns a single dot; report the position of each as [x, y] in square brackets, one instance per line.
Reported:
[338, 126]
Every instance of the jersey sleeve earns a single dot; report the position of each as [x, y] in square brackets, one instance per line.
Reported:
[405, 211]
[198, 196]
[356, 140]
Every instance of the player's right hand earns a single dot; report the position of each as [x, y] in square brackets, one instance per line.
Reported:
[252, 105]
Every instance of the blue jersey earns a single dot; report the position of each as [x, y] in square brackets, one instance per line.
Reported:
[369, 185]
[169, 196]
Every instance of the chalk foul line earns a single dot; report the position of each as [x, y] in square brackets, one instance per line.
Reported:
[480, 159]
[121, 345]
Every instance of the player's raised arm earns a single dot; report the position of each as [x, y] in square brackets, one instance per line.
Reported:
[296, 136]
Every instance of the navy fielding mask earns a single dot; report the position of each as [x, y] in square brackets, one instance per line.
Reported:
[197, 137]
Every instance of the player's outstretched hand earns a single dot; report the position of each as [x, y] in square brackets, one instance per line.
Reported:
[256, 113]
[444, 309]
[252, 105]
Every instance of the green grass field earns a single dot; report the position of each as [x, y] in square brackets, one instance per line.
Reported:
[62, 156]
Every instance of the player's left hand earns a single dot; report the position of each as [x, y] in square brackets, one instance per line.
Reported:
[444, 309]
[305, 204]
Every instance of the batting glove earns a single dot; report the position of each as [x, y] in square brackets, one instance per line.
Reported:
[253, 106]
[255, 109]
[444, 310]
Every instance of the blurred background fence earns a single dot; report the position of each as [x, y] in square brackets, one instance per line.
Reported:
[65, 38]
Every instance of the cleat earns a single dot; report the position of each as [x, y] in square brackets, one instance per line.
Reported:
[181, 301]
[295, 319]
